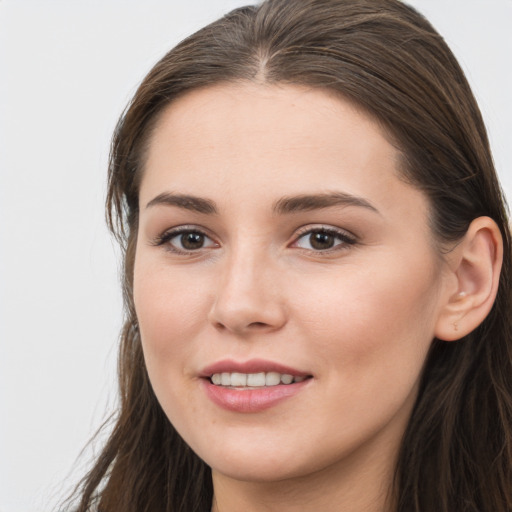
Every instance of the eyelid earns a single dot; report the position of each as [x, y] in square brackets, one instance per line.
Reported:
[346, 237]
[165, 237]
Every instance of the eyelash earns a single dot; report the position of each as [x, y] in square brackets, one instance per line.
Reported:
[344, 238]
[166, 237]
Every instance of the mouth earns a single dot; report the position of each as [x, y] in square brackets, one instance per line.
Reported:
[252, 374]
[252, 386]
[238, 380]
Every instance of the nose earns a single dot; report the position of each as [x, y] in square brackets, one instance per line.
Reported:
[248, 298]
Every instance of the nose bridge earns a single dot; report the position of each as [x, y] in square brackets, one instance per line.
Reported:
[247, 297]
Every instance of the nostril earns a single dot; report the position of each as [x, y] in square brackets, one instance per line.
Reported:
[220, 326]
[258, 324]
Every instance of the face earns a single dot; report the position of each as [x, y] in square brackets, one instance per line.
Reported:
[286, 282]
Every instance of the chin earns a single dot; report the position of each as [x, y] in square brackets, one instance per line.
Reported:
[263, 471]
[250, 462]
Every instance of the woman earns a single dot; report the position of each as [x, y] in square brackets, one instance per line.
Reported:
[316, 275]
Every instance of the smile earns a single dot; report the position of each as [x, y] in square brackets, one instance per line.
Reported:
[252, 386]
[254, 380]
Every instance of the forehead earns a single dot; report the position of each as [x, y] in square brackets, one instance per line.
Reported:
[267, 119]
[269, 140]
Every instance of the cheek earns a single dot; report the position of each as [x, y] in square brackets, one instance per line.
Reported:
[379, 320]
[171, 309]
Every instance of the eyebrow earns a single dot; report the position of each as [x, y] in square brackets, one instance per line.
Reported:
[193, 203]
[318, 201]
[284, 205]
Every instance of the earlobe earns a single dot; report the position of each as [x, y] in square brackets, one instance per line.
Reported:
[475, 263]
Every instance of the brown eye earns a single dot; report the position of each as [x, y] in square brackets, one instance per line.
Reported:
[186, 240]
[191, 241]
[324, 240]
[321, 240]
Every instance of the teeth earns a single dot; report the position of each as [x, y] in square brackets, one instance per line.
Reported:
[286, 379]
[253, 380]
[272, 379]
[239, 379]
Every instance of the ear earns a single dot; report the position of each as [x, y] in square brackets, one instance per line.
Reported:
[474, 270]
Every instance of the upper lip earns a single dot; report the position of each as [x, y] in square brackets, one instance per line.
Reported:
[251, 366]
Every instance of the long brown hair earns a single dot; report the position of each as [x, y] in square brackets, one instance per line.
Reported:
[456, 454]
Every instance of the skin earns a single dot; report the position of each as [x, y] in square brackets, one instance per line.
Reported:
[359, 318]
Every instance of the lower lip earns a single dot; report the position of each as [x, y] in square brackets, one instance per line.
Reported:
[251, 400]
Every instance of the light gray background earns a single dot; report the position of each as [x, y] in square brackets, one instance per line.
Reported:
[67, 68]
